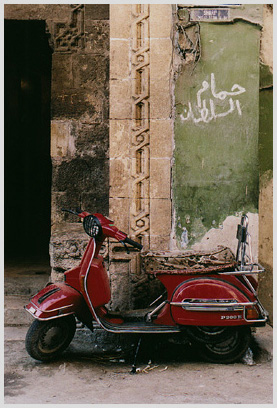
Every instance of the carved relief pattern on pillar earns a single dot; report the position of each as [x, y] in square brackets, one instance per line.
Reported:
[69, 35]
[140, 206]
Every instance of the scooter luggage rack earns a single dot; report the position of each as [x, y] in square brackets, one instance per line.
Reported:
[248, 269]
[228, 269]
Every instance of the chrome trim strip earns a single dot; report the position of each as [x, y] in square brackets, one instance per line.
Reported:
[239, 272]
[251, 270]
[47, 318]
[213, 304]
[250, 285]
[156, 300]
[223, 307]
[212, 307]
[52, 310]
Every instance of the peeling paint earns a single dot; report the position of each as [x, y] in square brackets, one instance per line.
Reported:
[226, 235]
[184, 238]
[215, 168]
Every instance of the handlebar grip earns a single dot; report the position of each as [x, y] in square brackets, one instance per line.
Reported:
[77, 212]
[133, 243]
[70, 211]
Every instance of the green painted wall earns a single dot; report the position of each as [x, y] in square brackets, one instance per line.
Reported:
[215, 171]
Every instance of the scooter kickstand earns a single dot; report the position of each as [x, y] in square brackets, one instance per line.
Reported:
[134, 366]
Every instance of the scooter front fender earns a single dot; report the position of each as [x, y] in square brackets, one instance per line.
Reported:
[56, 300]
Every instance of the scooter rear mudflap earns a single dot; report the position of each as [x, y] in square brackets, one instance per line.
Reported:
[57, 300]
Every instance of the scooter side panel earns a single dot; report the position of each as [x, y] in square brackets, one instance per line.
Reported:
[208, 288]
[72, 277]
[56, 300]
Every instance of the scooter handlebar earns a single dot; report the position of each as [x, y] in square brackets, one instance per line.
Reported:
[70, 211]
[133, 243]
[79, 212]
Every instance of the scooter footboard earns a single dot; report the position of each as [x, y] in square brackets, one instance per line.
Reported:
[212, 301]
[56, 300]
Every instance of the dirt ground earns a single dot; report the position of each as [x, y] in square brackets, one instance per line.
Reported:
[83, 376]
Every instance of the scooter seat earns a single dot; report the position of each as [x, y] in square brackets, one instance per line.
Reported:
[191, 262]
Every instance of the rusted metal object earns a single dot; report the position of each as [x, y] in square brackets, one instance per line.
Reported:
[189, 262]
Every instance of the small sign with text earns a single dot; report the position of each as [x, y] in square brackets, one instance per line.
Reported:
[214, 14]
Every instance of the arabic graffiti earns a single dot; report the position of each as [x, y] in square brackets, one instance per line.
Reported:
[206, 111]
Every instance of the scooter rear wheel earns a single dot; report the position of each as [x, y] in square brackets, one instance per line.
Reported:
[230, 350]
[45, 340]
[208, 334]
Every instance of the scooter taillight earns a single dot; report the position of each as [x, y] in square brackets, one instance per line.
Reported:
[252, 313]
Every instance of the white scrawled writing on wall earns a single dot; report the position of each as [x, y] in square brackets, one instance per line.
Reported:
[206, 109]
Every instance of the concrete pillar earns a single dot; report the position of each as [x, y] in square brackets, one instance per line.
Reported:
[140, 139]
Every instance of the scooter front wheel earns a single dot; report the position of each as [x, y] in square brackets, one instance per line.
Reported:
[230, 349]
[45, 340]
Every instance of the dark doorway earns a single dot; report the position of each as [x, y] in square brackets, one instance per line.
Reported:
[27, 95]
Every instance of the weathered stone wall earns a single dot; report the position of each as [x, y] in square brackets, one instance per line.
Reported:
[79, 37]
[266, 161]
[80, 123]
[80, 91]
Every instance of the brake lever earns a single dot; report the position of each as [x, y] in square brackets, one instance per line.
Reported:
[123, 243]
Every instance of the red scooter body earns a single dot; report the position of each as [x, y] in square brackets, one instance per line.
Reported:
[194, 292]
[56, 300]
[222, 299]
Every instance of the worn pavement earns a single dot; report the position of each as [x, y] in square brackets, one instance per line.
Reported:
[88, 374]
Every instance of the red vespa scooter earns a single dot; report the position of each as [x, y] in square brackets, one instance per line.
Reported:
[215, 309]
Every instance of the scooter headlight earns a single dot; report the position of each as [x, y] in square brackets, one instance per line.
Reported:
[92, 226]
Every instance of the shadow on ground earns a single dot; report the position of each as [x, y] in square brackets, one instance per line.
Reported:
[157, 349]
